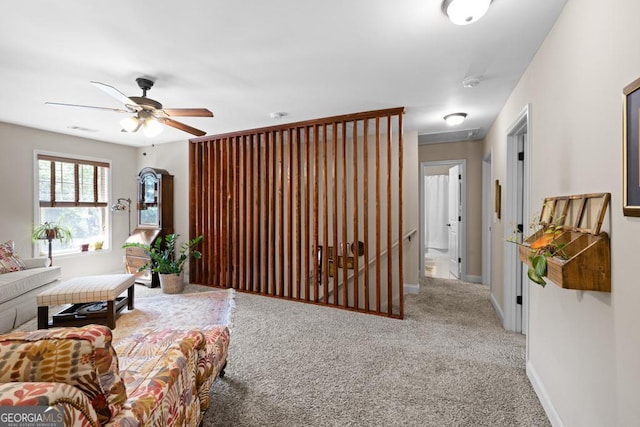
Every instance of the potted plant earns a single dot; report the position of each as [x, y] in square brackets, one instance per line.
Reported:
[166, 262]
[50, 231]
[542, 248]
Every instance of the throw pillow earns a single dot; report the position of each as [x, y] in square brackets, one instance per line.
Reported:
[9, 260]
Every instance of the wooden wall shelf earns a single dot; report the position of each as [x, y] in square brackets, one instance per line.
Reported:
[588, 263]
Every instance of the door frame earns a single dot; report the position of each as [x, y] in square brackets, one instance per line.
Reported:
[462, 235]
[487, 219]
[521, 125]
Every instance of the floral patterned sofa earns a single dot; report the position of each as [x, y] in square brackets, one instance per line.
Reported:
[162, 378]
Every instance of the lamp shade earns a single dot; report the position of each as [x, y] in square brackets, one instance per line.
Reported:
[464, 12]
[130, 124]
[151, 128]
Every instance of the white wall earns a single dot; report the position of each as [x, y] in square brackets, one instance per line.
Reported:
[583, 346]
[17, 196]
[411, 209]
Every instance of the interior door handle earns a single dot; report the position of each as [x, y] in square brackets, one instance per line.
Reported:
[448, 225]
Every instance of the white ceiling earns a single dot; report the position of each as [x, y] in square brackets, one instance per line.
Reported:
[245, 59]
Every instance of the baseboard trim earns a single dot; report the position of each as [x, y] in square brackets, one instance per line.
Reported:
[497, 308]
[411, 288]
[543, 396]
[473, 279]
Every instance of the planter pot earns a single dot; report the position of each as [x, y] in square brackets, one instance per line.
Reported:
[172, 283]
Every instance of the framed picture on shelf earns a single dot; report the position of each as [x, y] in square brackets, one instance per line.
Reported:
[631, 149]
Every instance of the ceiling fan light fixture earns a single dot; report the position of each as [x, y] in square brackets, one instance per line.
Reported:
[130, 124]
[151, 128]
[465, 12]
[455, 119]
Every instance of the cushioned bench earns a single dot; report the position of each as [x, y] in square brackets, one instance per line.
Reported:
[88, 289]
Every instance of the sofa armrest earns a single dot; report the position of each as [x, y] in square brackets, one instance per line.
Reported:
[37, 262]
[76, 407]
[82, 357]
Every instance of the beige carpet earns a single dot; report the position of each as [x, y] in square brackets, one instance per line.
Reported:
[449, 363]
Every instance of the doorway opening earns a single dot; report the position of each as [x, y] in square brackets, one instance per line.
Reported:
[443, 219]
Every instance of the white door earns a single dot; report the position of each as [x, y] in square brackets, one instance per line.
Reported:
[454, 221]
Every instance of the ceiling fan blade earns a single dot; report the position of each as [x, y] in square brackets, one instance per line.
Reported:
[118, 110]
[188, 112]
[112, 91]
[181, 126]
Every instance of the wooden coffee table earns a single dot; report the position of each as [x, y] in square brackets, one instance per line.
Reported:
[94, 299]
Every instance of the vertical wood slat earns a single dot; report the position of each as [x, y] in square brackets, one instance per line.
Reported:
[378, 233]
[236, 219]
[211, 190]
[194, 207]
[214, 177]
[400, 216]
[223, 214]
[343, 251]
[264, 231]
[243, 213]
[257, 196]
[317, 280]
[325, 217]
[296, 210]
[356, 257]
[334, 224]
[365, 201]
[251, 231]
[265, 216]
[289, 234]
[389, 223]
[272, 222]
[281, 188]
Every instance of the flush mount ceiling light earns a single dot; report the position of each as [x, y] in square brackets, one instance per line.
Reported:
[464, 12]
[455, 119]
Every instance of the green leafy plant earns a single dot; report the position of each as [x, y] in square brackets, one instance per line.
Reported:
[51, 231]
[541, 249]
[163, 256]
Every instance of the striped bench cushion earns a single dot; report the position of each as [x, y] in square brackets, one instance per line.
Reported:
[86, 289]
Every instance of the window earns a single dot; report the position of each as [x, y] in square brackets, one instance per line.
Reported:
[73, 193]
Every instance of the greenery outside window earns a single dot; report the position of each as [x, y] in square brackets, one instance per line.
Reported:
[73, 193]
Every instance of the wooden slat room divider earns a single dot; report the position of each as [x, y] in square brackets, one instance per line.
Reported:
[308, 211]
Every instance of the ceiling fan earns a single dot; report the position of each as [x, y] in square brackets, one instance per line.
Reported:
[148, 113]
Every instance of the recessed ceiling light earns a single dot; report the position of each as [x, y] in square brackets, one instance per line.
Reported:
[455, 119]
